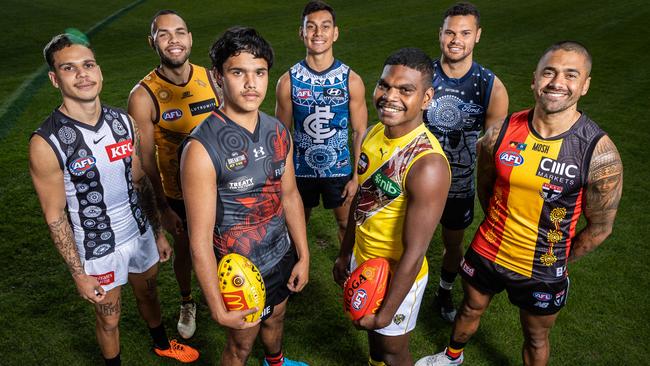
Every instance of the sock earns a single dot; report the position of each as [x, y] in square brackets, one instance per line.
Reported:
[115, 361]
[372, 362]
[276, 359]
[454, 349]
[159, 336]
[447, 279]
[186, 297]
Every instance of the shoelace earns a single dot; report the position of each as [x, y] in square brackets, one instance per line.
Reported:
[186, 313]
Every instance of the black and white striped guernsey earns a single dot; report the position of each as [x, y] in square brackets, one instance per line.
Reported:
[96, 161]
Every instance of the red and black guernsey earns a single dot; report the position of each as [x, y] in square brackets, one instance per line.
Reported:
[537, 197]
[249, 167]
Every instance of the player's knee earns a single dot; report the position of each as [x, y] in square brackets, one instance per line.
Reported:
[536, 338]
[239, 350]
[108, 324]
[471, 310]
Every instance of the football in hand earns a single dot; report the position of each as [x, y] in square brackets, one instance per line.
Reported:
[364, 290]
[241, 285]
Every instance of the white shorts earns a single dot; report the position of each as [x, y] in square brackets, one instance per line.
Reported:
[135, 256]
[407, 313]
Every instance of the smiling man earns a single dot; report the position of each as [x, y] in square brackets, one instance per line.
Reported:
[468, 99]
[323, 99]
[397, 223]
[536, 175]
[166, 105]
[241, 197]
[85, 163]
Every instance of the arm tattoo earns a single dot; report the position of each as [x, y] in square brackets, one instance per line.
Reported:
[63, 239]
[145, 189]
[602, 196]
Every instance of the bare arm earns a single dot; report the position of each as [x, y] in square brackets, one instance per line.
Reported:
[295, 216]
[603, 194]
[199, 182]
[147, 196]
[143, 110]
[48, 182]
[359, 123]
[497, 106]
[340, 271]
[283, 106]
[427, 186]
[485, 169]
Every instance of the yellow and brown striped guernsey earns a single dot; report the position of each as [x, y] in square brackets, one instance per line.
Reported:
[537, 197]
[179, 108]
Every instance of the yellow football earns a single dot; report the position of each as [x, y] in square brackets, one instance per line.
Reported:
[241, 285]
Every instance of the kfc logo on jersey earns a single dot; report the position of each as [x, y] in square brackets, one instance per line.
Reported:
[303, 94]
[81, 165]
[511, 158]
[119, 150]
[106, 278]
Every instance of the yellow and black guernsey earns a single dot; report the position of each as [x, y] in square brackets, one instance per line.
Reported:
[179, 109]
[383, 168]
[537, 197]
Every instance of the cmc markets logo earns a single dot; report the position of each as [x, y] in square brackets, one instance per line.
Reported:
[511, 158]
[560, 172]
[81, 165]
[119, 150]
[172, 115]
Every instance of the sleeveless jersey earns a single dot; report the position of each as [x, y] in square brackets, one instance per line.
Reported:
[249, 166]
[456, 116]
[96, 162]
[537, 197]
[179, 108]
[321, 114]
[383, 168]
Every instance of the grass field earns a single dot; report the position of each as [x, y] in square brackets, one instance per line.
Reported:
[44, 322]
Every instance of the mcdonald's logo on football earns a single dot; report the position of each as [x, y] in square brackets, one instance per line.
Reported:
[235, 300]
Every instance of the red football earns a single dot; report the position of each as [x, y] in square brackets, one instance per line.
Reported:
[365, 288]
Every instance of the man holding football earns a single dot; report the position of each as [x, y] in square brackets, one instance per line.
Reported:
[240, 194]
[536, 175]
[404, 178]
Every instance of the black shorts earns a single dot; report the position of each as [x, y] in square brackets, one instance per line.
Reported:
[178, 206]
[535, 296]
[458, 213]
[311, 189]
[275, 282]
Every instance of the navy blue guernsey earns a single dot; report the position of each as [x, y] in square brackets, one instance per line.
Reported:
[249, 167]
[321, 115]
[456, 116]
[96, 163]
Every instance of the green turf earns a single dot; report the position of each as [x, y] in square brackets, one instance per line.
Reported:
[44, 322]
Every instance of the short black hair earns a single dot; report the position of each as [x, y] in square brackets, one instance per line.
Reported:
[236, 40]
[160, 13]
[61, 41]
[570, 46]
[317, 5]
[414, 58]
[463, 9]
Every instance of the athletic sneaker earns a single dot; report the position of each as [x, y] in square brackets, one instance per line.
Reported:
[287, 362]
[187, 320]
[446, 306]
[179, 352]
[439, 359]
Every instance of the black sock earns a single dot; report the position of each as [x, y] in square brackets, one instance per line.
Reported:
[448, 276]
[186, 297]
[159, 336]
[115, 361]
[456, 345]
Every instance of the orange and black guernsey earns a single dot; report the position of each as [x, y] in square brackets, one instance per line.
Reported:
[537, 197]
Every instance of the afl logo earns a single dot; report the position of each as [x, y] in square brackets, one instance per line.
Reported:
[172, 115]
[80, 165]
[470, 108]
[511, 158]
